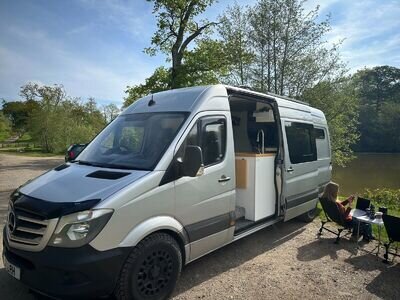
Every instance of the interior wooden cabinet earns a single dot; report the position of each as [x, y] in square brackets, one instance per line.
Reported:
[241, 173]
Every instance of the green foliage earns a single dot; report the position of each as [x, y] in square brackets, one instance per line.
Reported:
[177, 28]
[175, 21]
[18, 113]
[203, 66]
[279, 47]
[379, 92]
[5, 127]
[339, 101]
[389, 198]
[157, 82]
[59, 120]
[235, 32]
[110, 112]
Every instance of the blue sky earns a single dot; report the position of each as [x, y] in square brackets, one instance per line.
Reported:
[94, 48]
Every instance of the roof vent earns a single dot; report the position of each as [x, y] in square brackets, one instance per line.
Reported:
[107, 175]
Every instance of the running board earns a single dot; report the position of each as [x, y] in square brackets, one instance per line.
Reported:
[256, 228]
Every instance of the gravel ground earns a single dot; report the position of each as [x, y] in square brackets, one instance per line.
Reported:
[284, 261]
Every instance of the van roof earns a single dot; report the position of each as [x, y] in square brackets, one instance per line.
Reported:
[187, 99]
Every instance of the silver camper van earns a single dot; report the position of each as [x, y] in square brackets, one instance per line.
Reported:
[177, 175]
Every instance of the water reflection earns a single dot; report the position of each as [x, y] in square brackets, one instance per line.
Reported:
[369, 171]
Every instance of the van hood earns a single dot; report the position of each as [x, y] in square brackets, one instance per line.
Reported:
[72, 183]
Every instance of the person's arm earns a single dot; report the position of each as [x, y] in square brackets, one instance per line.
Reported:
[348, 201]
[347, 212]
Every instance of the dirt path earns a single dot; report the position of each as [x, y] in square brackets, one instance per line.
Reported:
[285, 261]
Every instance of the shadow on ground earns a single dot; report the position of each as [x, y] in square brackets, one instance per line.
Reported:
[386, 284]
[325, 246]
[237, 253]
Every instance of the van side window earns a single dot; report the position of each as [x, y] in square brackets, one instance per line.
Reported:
[211, 139]
[301, 142]
[319, 134]
[322, 143]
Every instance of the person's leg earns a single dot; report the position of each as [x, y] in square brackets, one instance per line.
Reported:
[367, 232]
[354, 225]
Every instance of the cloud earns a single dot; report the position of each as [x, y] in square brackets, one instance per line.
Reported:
[132, 17]
[369, 32]
[48, 60]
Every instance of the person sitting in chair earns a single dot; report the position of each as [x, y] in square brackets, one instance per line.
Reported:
[331, 192]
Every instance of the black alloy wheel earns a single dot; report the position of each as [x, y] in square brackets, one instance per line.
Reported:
[151, 270]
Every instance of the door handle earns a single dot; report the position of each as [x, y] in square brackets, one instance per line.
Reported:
[224, 178]
[290, 169]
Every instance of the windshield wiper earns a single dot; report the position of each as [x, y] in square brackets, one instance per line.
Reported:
[105, 165]
[123, 167]
[86, 163]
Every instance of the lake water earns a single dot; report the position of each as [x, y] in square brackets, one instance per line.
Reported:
[368, 171]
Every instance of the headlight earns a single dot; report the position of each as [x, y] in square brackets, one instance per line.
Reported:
[80, 228]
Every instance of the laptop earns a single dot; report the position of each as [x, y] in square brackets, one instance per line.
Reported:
[363, 203]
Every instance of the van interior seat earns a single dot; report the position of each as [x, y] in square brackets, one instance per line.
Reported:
[211, 150]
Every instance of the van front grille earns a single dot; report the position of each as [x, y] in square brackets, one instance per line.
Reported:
[28, 231]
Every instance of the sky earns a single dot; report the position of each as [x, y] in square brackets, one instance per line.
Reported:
[95, 48]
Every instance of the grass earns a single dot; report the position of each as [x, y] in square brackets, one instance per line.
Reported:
[4, 136]
[25, 138]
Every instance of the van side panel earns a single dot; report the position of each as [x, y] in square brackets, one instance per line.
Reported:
[303, 179]
[134, 205]
[205, 204]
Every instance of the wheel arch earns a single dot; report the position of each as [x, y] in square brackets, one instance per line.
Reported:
[165, 224]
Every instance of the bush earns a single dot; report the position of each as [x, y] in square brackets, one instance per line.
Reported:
[385, 197]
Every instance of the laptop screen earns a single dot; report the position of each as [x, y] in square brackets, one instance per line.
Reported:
[363, 203]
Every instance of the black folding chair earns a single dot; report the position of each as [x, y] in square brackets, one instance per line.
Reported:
[392, 226]
[332, 214]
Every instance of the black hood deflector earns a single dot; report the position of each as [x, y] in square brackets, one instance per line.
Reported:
[50, 210]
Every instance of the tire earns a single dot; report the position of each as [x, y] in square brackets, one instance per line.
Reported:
[151, 270]
[309, 216]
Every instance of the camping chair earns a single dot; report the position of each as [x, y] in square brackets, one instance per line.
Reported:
[392, 226]
[332, 214]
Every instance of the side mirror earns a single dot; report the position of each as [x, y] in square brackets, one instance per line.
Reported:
[73, 151]
[192, 165]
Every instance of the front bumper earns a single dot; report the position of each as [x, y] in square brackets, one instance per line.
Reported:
[68, 273]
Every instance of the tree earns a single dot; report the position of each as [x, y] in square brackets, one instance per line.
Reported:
[288, 44]
[339, 101]
[18, 113]
[60, 120]
[157, 82]
[378, 85]
[110, 112]
[204, 65]
[234, 30]
[177, 28]
[379, 92]
[5, 127]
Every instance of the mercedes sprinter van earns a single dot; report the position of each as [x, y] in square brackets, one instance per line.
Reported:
[175, 176]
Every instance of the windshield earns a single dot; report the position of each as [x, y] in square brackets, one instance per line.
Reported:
[134, 141]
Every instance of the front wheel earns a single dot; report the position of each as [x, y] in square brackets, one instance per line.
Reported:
[151, 270]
